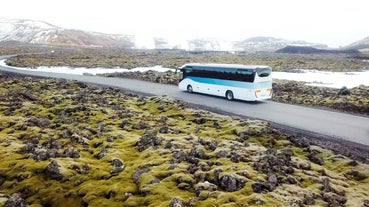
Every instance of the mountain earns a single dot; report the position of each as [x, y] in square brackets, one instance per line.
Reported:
[38, 32]
[312, 50]
[361, 45]
[271, 44]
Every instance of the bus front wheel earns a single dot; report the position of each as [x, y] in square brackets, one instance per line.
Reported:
[189, 89]
[229, 95]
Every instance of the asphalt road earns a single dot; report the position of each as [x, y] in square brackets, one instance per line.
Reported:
[332, 125]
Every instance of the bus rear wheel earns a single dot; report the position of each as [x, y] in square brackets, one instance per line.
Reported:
[189, 89]
[229, 95]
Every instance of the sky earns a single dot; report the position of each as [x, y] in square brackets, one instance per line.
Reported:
[332, 22]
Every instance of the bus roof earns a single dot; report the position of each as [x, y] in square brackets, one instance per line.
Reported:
[217, 65]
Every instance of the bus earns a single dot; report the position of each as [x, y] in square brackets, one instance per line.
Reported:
[242, 82]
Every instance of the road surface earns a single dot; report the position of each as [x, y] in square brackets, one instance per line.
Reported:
[306, 120]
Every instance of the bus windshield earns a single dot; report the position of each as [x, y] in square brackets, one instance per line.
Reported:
[263, 72]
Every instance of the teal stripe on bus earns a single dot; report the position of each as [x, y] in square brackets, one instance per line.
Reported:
[230, 83]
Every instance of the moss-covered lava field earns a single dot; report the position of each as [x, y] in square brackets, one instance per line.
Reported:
[64, 143]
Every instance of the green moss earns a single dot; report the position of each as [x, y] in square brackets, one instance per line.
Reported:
[90, 120]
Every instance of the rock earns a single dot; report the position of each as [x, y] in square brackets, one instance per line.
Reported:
[334, 200]
[344, 91]
[192, 168]
[275, 162]
[261, 187]
[40, 154]
[85, 168]
[39, 122]
[15, 200]
[51, 143]
[217, 125]
[366, 203]
[272, 179]
[117, 170]
[197, 153]
[149, 139]
[184, 186]
[208, 144]
[116, 162]
[176, 202]
[179, 156]
[137, 174]
[103, 152]
[299, 141]
[164, 130]
[71, 153]
[231, 183]
[200, 120]
[110, 139]
[309, 200]
[295, 203]
[118, 167]
[326, 185]
[313, 157]
[239, 156]
[221, 154]
[205, 186]
[141, 125]
[228, 183]
[110, 194]
[123, 124]
[52, 171]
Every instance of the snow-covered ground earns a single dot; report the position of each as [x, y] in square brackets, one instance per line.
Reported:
[90, 71]
[311, 77]
[327, 79]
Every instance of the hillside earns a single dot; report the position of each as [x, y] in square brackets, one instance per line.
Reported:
[362, 45]
[312, 50]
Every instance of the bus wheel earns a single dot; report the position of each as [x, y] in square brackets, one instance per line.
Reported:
[229, 95]
[189, 89]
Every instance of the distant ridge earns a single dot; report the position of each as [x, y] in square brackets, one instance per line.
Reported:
[271, 44]
[361, 45]
[43, 33]
[312, 50]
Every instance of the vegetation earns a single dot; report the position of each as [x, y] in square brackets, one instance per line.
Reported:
[111, 58]
[64, 143]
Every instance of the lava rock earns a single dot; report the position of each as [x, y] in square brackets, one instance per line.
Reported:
[176, 202]
[15, 200]
[52, 171]
[344, 91]
[137, 174]
[118, 166]
[149, 139]
[316, 159]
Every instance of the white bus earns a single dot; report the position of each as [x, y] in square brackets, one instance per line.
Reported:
[243, 82]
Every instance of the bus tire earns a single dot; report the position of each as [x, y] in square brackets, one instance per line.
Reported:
[189, 89]
[229, 95]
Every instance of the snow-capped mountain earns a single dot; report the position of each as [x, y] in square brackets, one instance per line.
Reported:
[27, 30]
[39, 32]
